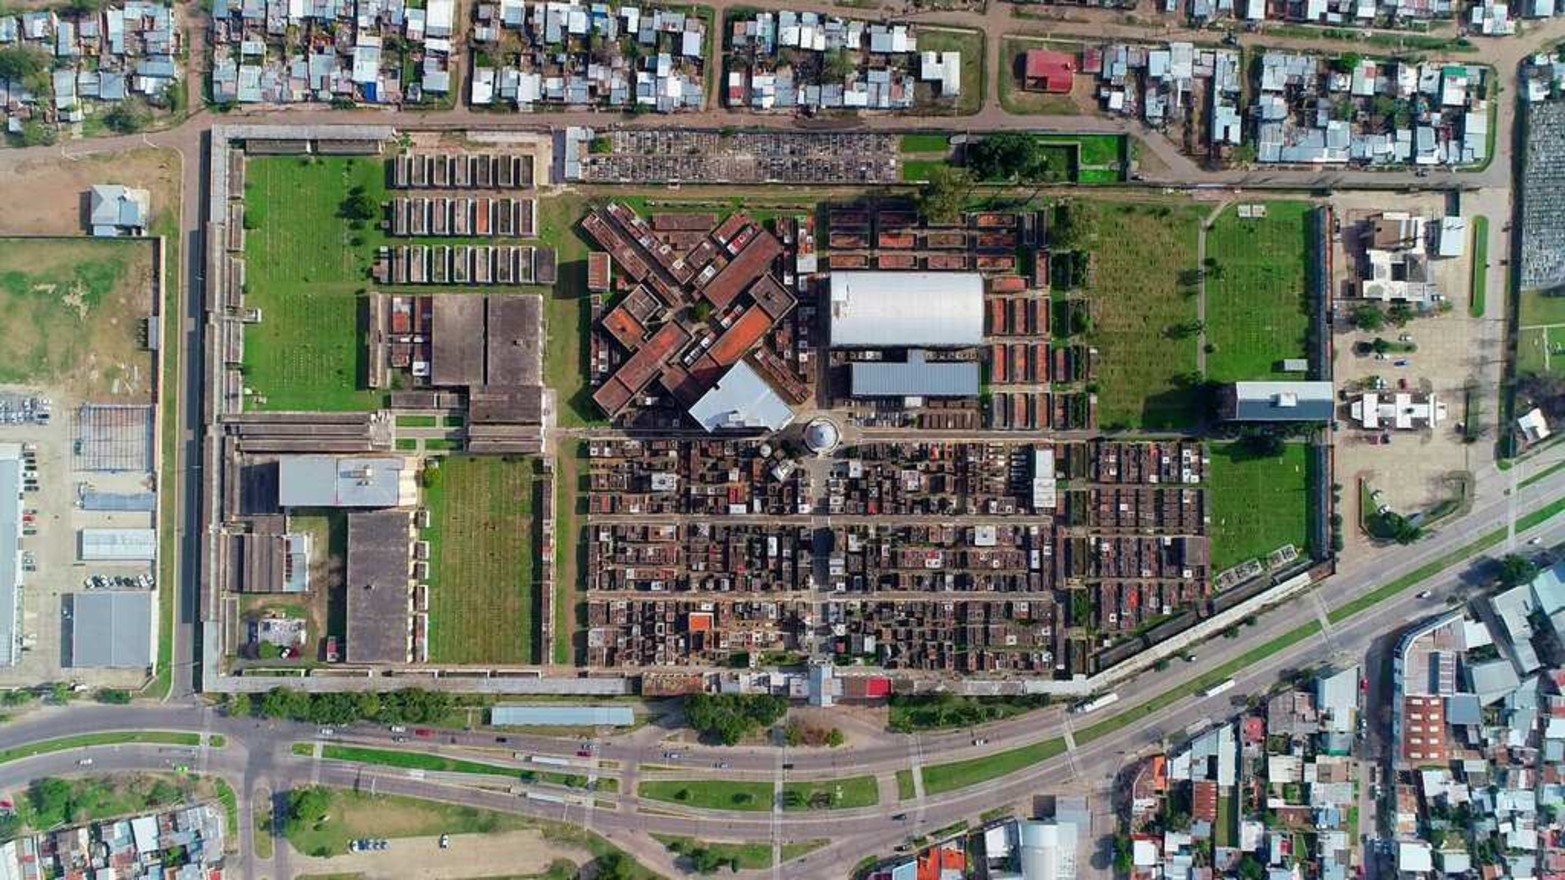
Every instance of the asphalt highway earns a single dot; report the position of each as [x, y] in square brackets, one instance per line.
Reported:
[258, 756]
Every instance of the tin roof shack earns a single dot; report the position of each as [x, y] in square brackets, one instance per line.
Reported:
[359, 51]
[576, 55]
[100, 58]
[1312, 111]
[379, 587]
[789, 61]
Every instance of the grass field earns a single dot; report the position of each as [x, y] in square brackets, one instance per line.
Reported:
[1256, 295]
[1475, 305]
[918, 170]
[846, 794]
[304, 269]
[483, 593]
[1258, 504]
[1145, 377]
[354, 815]
[925, 143]
[569, 548]
[1534, 353]
[939, 778]
[750, 856]
[710, 794]
[971, 45]
[1536, 308]
[73, 312]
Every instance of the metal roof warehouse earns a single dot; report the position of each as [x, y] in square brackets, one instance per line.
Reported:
[895, 309]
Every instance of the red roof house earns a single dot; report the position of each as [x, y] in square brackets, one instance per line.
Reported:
[1046, 71]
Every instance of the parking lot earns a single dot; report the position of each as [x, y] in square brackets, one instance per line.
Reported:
[52, 516]
[1414, 470]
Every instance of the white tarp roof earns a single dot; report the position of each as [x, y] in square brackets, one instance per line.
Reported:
[896, 309]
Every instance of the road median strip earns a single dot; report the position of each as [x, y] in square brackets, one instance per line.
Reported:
[110, 738]
[753, 796]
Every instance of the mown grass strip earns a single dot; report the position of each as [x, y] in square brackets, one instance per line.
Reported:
[111, 738]
[411, 760]
[1480, 265]
[939, 778]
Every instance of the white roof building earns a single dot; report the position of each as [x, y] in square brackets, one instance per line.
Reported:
[1403, 411]
[741, 400]
[1047, 850]
[898, 309]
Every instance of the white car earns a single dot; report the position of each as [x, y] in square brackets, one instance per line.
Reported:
[1423, 595]
[84, 762]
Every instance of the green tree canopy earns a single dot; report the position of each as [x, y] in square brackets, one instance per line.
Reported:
[942, 197]
[1009, 156]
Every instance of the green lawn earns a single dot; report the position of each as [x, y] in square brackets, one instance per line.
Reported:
[1475, 306]
[418, 421]
[971, 45]
[749, 856]
[846, 794]
[925, 143]
[1534, 350]
[483, 593]
[1256, 291]
[80, 741]
[710, 794]
[939, 778]
[1537, 308]
[918, 170]
[409, 760]
[304, 269]
[1145, 261]
[1257, 504]
[354, 815]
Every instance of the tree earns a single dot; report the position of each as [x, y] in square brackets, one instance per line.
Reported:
[22, 62]
[359, 205]
[839, 65]
[36, 134]
[942, 197]
[729, 718]
[51, 802]
[1367, 316]
[1517, 569]
[1400, 313]
[128, 116]
[1009, 156]
[309, 805]
[1349, 61]
[113, 696]
[614, 866]
[10, 827]
[835, 738]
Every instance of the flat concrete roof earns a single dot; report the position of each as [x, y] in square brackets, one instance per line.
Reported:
[379, 591]
[457, 354]
[513, 340]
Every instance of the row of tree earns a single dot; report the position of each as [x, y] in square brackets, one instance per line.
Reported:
[729, 718]
[407, 706]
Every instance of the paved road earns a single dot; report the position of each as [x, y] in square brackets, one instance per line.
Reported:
[258, 756]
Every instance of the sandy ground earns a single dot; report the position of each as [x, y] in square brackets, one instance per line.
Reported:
[505, 854]
[48, 196]
[1414, 471]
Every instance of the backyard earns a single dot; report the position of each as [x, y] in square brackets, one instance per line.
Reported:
[1015, 99]
[1258, 503]
[483, 595]
[305, 266]
[1145, 255]
[1257, 272]
[971, 45]
[74, 311]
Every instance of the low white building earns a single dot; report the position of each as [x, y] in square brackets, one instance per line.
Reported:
[1402, 411]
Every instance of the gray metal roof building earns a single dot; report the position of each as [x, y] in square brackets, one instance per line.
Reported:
[916, 377]
[329, 481]
[895, 309]
[10, 550]
[741, 400]
[562, 716]
[1279, 402]
[112, 628]
[380, 593]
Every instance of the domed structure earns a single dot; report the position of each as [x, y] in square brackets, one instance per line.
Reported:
[821, 436]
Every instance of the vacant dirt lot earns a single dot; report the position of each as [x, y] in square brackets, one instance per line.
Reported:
[47, 196]
[507, 854]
